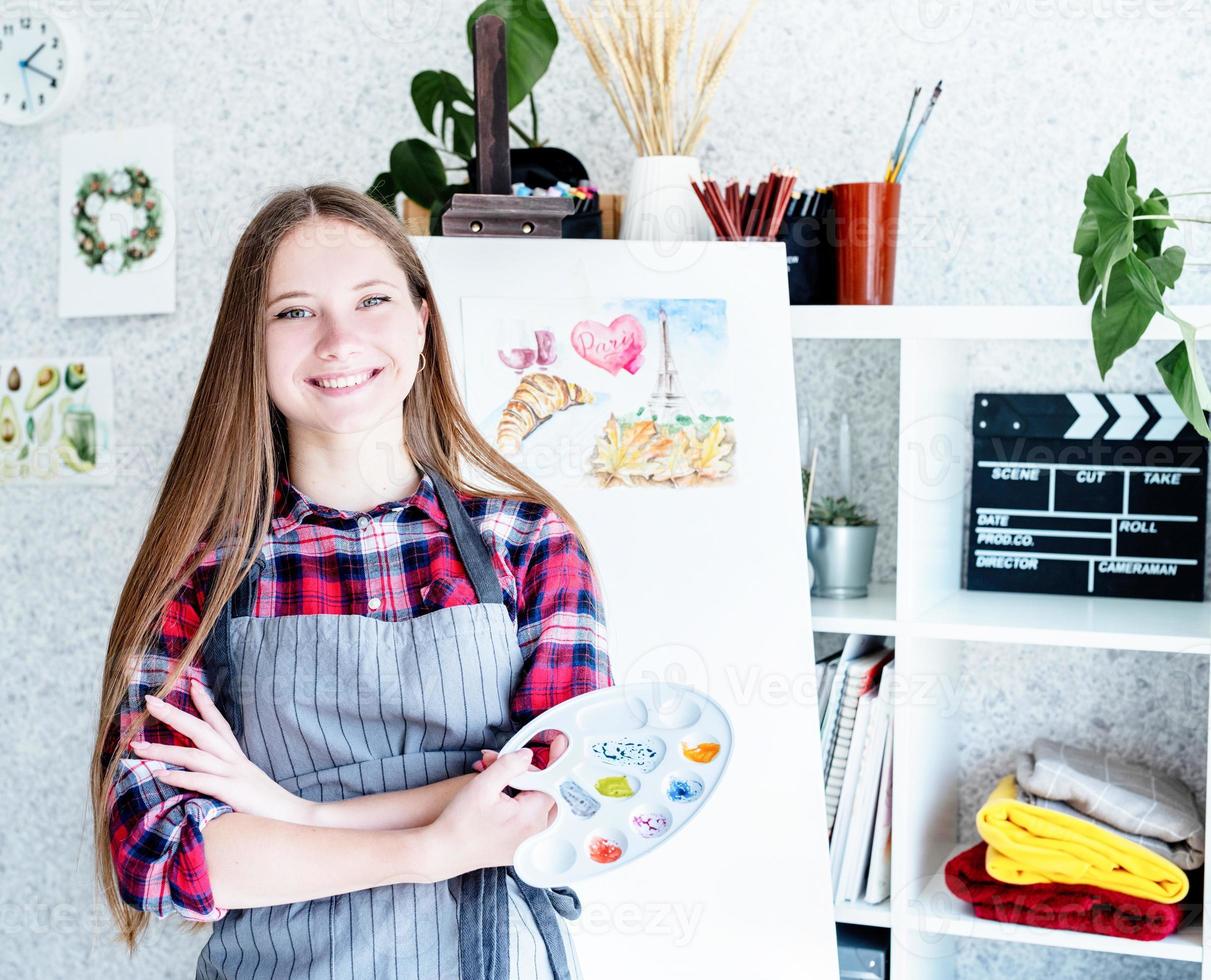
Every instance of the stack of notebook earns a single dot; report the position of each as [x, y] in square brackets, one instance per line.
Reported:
[854, 695]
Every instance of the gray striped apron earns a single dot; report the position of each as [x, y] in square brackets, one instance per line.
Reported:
[336, 706]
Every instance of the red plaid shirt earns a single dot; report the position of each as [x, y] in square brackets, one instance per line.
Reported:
[325, 561]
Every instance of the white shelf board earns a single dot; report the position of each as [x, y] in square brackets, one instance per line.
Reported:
[966, 322]
[942, 913]
[874, 613]
[864, 914]
[1066, 620]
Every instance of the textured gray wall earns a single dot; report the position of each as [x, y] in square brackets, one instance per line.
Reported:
[1037, 92]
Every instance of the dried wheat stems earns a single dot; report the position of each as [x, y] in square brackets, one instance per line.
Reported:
[657, 73]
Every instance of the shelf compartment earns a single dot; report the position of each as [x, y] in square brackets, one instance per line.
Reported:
[938, 912]
[875, 613]
[863, 914]
[1066, 620]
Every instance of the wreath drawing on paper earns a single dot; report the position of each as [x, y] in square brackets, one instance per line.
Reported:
[140, 220]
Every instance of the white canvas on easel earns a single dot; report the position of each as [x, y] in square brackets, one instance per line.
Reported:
[706, 584]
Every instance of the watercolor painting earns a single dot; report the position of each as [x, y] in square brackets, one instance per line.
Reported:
[117, 227]
[630, 392]
[56, 420]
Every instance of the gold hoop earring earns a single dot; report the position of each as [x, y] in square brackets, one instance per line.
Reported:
[422, 362]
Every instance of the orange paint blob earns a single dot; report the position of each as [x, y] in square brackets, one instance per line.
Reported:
[702, 752]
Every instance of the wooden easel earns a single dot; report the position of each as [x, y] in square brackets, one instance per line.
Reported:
[496, 211]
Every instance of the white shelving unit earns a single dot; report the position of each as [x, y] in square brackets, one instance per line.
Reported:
[933, 618]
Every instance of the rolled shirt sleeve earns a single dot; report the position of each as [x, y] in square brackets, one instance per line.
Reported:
[156, 829]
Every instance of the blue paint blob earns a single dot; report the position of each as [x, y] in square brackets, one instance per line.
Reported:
[683, 789]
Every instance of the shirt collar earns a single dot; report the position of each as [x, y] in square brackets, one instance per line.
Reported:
[291, 507]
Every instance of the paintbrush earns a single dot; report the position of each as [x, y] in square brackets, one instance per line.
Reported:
[933, 100]
[895, 154]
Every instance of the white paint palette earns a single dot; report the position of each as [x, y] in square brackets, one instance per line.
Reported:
[641, 761]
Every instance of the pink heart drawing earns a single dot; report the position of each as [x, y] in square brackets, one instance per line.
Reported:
[620, 345]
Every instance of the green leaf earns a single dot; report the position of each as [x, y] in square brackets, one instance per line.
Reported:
[1143, 283]
[384, 190]
[433, 90]
[1167, 267]
[1120, 172]
[1129, 302]
[464, 135]
[1174, 368]
[439, 206]
[530, 40]
[1149, 234]
[1086, 279]
[1085, 242]
[418, 171]
[1111, 209]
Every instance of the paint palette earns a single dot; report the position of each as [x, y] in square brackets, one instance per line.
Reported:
[640, 762]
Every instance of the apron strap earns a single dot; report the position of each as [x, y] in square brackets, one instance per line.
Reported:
[217, 656]
[483, 896]
[472, 551]
[545, 904]
[483, 922]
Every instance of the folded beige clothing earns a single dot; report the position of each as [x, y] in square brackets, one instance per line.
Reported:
[1154, 810]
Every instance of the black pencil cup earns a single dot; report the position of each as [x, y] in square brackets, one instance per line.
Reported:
[811, 255]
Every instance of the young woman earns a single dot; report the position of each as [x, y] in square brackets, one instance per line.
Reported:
[328, 632]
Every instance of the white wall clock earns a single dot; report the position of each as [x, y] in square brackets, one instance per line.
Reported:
[41, 61]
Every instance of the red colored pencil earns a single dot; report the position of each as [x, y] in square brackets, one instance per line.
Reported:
[758, 207]
[710, 213]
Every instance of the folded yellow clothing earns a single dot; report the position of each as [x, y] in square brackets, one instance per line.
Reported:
[1028, 845]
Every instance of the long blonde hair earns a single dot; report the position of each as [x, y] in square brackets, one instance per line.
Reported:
[227, 496]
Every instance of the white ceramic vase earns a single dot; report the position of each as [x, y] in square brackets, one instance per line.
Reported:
[661, 206]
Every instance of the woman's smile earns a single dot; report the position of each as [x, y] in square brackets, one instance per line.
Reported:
[336, 385]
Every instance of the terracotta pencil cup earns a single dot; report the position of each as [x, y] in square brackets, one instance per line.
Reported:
[868, 225]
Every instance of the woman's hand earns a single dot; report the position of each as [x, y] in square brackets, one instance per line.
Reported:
[481, 826]
[217, 766]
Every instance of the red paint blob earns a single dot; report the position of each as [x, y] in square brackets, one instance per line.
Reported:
[604, 851]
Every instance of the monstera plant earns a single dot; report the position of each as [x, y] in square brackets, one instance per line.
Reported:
[1126, 270]
[446, 107]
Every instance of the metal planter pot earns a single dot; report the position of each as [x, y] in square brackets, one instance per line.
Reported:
[841, 558]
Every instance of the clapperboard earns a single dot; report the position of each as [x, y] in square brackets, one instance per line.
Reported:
[1087, 494]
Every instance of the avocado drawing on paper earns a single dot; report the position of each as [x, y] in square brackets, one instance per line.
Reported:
[56, 420]
[605, 393]
[642, 760]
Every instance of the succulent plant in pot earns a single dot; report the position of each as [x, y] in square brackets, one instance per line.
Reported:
[841, 548]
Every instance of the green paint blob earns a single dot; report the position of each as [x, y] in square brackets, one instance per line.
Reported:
[618, 787]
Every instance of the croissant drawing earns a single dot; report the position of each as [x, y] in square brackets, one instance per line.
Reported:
[537, 398]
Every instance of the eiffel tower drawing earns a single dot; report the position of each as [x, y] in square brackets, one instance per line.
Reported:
[667, 400]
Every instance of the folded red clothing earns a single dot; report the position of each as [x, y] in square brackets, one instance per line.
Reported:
[1081, 908]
